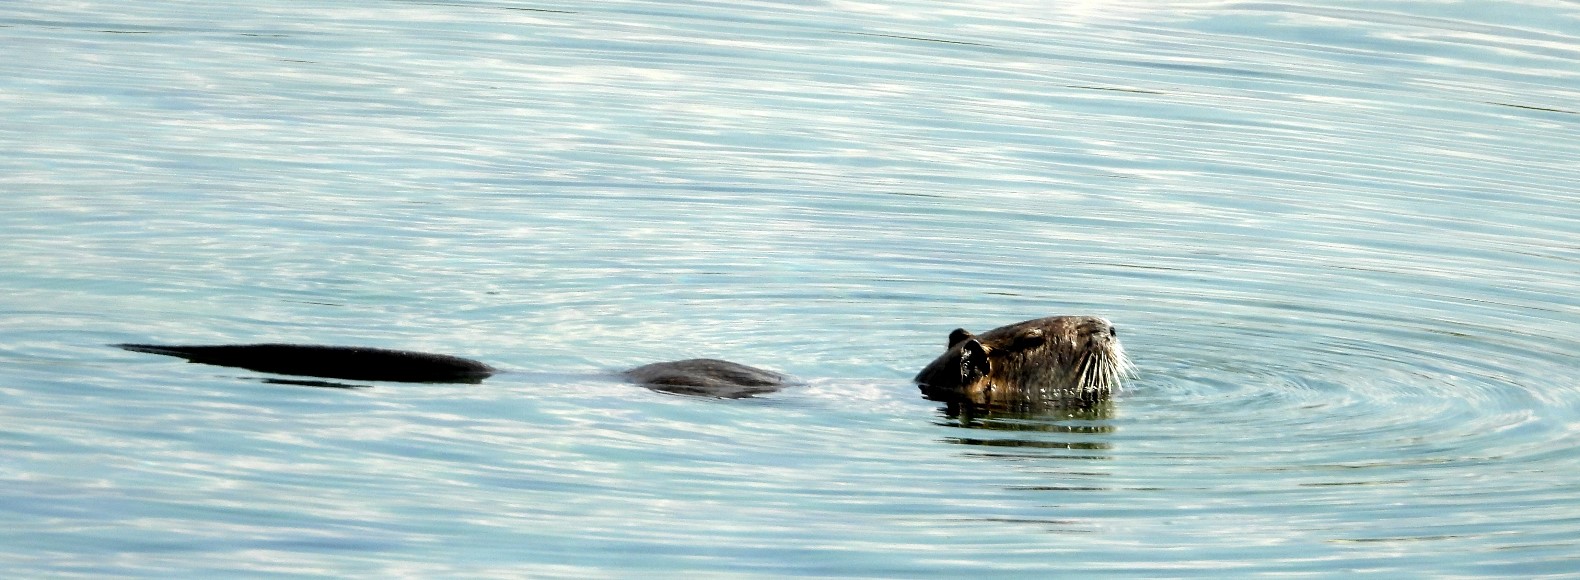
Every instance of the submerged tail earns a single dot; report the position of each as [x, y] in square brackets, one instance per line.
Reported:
[153, 349]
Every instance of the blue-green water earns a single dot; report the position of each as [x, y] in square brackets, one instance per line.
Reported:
[1341, 242]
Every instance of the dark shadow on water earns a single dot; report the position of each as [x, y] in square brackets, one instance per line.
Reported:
[1533, 108]
[319, 384]
[1081, 427]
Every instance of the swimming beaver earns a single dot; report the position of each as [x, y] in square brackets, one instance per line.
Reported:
[1046, 362]
[701, 377]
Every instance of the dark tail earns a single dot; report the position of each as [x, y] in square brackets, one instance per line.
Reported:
[330, 362]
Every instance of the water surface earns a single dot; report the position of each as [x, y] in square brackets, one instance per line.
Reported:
[1339, 240]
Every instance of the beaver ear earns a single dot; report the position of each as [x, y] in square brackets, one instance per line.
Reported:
[958, 335]
[974, 364]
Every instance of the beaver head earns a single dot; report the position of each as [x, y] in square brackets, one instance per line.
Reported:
[1055, 360]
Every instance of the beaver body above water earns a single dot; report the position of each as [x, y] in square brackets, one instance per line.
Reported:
[1065, 357]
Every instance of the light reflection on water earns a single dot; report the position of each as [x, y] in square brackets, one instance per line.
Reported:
[1339, 242]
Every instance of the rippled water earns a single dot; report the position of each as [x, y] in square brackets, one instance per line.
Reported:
[1338, 240]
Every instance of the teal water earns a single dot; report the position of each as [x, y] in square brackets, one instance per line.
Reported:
[1339, 241]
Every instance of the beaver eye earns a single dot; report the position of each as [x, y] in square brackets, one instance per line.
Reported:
[1113, 331]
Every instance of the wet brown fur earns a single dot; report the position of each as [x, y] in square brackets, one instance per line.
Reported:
[1054, 361]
